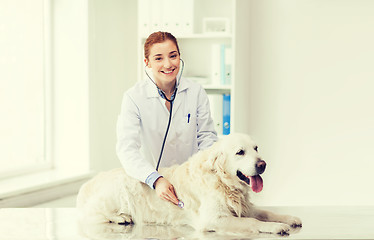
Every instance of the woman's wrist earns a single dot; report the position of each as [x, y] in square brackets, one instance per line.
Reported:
[155, 183]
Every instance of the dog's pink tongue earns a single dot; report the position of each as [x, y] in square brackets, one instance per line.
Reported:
[256, 183]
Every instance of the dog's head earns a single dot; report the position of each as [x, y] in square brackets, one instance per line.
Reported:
[236, 155]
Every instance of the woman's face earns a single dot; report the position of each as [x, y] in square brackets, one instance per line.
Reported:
[164, 60]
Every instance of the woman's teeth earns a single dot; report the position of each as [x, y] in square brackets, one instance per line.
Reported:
[167, 72]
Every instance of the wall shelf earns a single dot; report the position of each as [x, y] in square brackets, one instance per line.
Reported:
[197, 48]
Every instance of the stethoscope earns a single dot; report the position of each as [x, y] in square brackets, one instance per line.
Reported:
[171, 100]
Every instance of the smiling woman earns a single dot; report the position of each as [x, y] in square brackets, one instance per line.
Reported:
[162, 55]
[147, 110]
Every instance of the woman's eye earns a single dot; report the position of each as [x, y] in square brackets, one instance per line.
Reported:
[240, 152]
[255, 148]
[158, 59]
[173, 56]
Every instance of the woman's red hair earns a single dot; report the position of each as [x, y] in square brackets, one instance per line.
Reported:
[158, 37]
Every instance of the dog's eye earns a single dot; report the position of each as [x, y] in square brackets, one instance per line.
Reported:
[240, 152]
[255, 148]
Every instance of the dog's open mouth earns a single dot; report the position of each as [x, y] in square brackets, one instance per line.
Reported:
[255, 182]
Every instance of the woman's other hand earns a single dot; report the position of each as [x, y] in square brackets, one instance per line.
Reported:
[165, 190]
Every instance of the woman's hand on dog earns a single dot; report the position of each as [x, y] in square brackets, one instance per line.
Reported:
[165, 190]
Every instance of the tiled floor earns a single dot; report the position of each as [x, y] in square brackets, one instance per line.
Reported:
[61, 223]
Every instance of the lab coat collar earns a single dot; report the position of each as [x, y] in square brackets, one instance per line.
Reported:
[184, 84]
[152, 92]
[151, 88]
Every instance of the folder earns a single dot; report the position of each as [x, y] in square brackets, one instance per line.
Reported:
[228, 63]
[156, 15]
[222, 64]
[168, 15]
[216, 64]
[187, 11]
[215, 102]
[144, 17]
[174, 16]
[226, 114]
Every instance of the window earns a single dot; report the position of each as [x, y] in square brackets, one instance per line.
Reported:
[24, 86]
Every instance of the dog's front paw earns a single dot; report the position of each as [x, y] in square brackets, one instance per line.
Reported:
[276, 228]
[293, 221]
[121, 219]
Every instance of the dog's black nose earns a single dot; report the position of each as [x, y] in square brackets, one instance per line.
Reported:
[260, 166]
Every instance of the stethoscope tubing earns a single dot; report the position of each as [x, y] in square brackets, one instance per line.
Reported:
[171, 100]
[177, 83]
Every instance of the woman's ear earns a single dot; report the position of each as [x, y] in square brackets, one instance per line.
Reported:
[147, 63]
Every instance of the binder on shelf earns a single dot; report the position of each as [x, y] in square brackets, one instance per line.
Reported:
[226, 114]
[221, 64]
[168, 19]
[144, 17]
[156, 15]
[187, 7]
[228, 63]
[215, 101]
[174, 16]
[216, 64]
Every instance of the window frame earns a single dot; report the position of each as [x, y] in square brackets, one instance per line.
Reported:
[47, 163]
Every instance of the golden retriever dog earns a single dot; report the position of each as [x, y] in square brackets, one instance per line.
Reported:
[215, 185]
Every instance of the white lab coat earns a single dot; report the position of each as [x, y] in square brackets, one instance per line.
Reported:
[143, 121]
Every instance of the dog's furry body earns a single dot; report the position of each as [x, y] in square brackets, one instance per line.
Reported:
[214, 197]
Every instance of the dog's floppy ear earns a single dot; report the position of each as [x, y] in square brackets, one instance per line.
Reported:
[217, 158]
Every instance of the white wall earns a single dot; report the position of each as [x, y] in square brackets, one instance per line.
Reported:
[95, 56]
[308, 88]
[70, 85]
[310, 85]
[113, 63]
